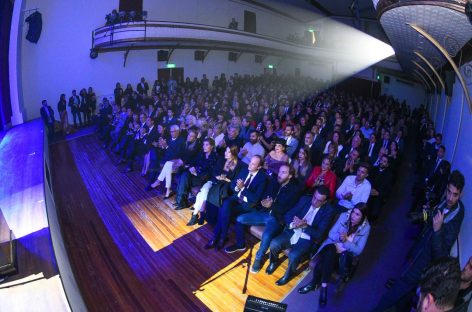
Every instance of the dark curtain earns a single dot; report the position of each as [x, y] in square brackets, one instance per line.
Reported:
[6, 11]
[131, 5]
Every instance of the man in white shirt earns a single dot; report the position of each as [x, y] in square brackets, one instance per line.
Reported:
[251, 148]
[306, 225]
[354, 189]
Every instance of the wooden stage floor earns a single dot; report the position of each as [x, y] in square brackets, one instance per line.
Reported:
[131, 251]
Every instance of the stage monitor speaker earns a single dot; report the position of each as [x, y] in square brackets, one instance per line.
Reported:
[199, 55]
[386, 79]
[162, 56]
[258, 59]
[255, 304]
[232, 56]
[35, 22]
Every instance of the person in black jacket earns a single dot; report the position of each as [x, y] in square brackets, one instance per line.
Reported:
[280, 195]
[306, 226]
[248, 188]
[381, 180]
[74, 104]
[435, 241]
[47, 115]
[196, 175]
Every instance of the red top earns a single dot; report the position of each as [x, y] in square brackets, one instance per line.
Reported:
[329, 180]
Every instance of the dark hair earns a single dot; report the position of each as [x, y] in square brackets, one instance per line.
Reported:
[362, 207]
[438, 135]
[254, 131]
[210, 141]
[364, 165]
[234, 150]
[291, 170]
[457, 180]
[322, 190]
[261, 160]
[442, 280]
[443, 147]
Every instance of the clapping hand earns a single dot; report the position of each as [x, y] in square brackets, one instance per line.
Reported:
[240, 184]
[193, 171]
[343, 237]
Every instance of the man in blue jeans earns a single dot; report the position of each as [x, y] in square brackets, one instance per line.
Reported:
[280, 196]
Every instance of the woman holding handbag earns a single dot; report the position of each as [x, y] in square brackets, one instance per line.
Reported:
[217, 188]
[345, 241]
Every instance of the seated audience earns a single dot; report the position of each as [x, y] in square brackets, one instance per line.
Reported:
[302, 166]
[248, 188]
[306, 226]
[196, 175]
[322, 175]
[276, 158]
[346, 240]
[281, 194]
[219, 185]
[354, 189]
[251, 148]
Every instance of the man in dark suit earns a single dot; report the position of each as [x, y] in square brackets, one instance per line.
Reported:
[74, 103]
[281, 194]
[373, 149]
[248, 188]
[47, 114]
[315, 148]
[381, 180]
[307, 225]
[142, 87]
[433, 164]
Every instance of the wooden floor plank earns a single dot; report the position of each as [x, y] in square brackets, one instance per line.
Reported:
[143, 253]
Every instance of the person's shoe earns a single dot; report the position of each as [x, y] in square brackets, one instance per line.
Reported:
[307, 288]
[234, 248]
[193, 220]
[148, 188]
[155, 184]
[201, 219]
[211, 244]
[128, 169]
[169, 194]
[221, 244]
[181, 206]
[256, 266]
[271, 268]
[284, 280]
[324, 296]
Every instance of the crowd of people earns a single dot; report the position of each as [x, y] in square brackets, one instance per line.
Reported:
[315, 166]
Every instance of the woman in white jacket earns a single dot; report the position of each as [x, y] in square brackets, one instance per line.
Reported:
[345, 241]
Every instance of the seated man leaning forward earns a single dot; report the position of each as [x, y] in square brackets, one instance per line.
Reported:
[280, 195]
[248, 188]
[307, 226]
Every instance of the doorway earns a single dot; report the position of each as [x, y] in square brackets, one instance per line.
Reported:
[166, 73]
